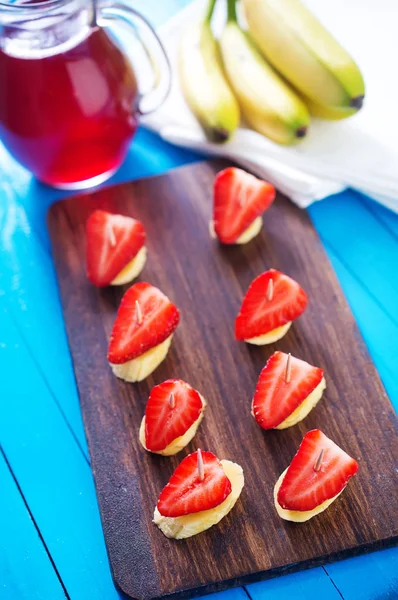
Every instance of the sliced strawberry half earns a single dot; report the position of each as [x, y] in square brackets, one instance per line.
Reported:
[173, 407]
[312, 477]
[187, 493]
[262, 311]
[275, 399]
[112, 241]
[145, 318]
[239, 198]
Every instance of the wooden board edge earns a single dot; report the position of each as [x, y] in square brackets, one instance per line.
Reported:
[108, 184]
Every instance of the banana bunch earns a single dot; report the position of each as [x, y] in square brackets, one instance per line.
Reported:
[277, 73]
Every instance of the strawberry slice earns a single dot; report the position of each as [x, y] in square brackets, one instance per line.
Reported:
[112, 241]
[239, 198]
[187, 493]
[173, 407]
[274, 399]
[259, 314]
[312, 478]
[145, 318]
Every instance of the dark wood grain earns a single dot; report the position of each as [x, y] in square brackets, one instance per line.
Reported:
[207, 282]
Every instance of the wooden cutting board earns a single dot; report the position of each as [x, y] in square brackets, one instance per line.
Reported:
[207, 282]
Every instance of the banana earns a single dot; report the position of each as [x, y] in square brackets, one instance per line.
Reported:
[307, 55]
[132, 269]
[203, 82]
[268, 104]
[139, 368]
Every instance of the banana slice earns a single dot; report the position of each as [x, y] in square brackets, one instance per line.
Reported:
[245, 237]
[132, 269]
[189, 525]
[305, 407]
[251, 232]
[179, 443]
[299, 516]
[139, 368]
[271, 336]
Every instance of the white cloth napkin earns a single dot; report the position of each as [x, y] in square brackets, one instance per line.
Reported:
[359, 152]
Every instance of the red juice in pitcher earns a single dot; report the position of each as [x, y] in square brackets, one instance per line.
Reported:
[68, 117]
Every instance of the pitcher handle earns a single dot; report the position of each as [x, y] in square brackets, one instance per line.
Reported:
[159, 90]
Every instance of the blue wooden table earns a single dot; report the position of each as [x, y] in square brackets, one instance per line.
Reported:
[51, 542]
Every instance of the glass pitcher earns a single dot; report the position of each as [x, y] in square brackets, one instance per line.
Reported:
[69, 96]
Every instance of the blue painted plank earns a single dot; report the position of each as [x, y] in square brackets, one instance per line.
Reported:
[369, 249]
[233, 594]
[26, 572]
[385, 216]
[370, 577]
[52, 472]
[297, 586]
[378, 329]
[28, 281]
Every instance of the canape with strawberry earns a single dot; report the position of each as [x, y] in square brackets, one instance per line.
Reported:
[173, 414]
[317, 475]
[201, 491]
[142, 332]
[272, 302]
[287, 390]
[115, 248]
[239, 200]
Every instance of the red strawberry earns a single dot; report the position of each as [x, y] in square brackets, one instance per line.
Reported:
[112, 241]
[239, 198]
[259, 314]
[187, 493]
[173, 406]
[312, 478]
[145, 318]
[274, 399]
